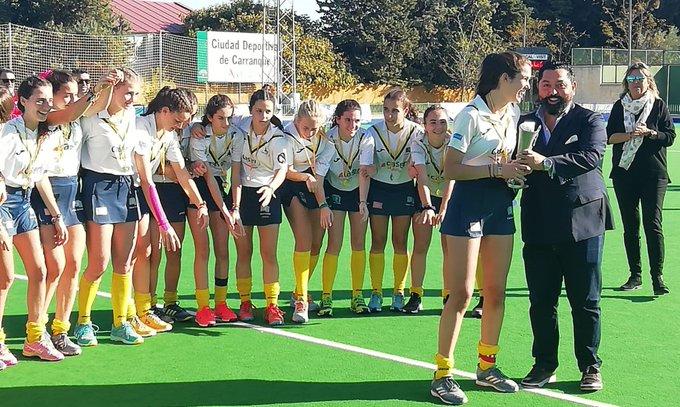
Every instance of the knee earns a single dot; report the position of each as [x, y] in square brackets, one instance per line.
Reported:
[460, 299]
[399, 243]
[53, 275]
[420, 247]
[494, 296]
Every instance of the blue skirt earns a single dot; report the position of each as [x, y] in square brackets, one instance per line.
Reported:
[16, 213]
[174, 201]
[393, 199]
[297, 189]
[109, 199]
[203, 189]
[68, 198]
[338, 200]
[252, 214]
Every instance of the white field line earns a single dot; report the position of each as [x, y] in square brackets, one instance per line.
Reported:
[387, 356]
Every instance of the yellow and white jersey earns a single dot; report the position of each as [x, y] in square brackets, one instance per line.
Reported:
[316, 151]
[109, 143]
[348, 158]
[423, 153]
[24, 157]
[393, 151]
[66, 144]
[261, 155]
[159, 150]
[215, 151]
[484, 138]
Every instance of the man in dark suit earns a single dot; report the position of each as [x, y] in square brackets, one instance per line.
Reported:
[565, 212]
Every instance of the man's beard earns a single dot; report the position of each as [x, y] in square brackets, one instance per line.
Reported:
[554, 109]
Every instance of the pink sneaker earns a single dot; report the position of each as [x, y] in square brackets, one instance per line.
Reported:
[224, 314]
[205, 317]
[6, 356]
[44, 349]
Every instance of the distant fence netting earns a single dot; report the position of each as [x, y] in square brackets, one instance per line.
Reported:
[610, 56]
[160, 59]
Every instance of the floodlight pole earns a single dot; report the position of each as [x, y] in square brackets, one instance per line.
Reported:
[630, 32]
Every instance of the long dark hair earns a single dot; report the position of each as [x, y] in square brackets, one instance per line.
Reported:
[263, 94]
[59, 78]
[216, 103]
[175, 100]
[346, 105]
[494, 66]
[26, 89]
[6, 105]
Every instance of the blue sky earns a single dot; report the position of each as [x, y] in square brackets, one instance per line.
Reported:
[308, 7]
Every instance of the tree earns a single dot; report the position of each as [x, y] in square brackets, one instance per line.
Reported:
[649, 31]
[73, 16]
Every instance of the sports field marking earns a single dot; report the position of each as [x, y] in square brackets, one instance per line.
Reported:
[387, 356]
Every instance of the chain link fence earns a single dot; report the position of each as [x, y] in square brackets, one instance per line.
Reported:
[611, 56]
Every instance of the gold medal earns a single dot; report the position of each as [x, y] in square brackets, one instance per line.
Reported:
[120, 152]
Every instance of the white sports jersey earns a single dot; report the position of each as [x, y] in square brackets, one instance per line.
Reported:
[305, 153]
[348, 158]
[261, 156]
[66, 143]
[215, 151]
[393, 151]
[109, 143]
[422, 153]
[159, 150]
[482, 137]
[23, 157]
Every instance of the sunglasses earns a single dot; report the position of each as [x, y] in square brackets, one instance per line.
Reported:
[633, 78]
[7, 80]
[84, 82]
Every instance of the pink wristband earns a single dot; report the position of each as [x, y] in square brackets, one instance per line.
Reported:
[157, 209]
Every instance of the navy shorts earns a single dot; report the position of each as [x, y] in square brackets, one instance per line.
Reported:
[338, 200]
[141, 201]
[16, 213]
[393, 199]
[174, 201]
[479, 208]
[297, 189]
[109, 199]
[70, 205]
[252, 214]
[203, 189]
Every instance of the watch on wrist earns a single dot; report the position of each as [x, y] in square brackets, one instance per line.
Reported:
[323, 204]
[547, 164]
[428, 207]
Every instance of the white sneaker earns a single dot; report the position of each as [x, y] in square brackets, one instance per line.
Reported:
[301, 313]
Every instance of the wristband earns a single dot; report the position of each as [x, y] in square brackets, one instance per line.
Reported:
[428, 207]
[56, 218]
[235, 208]
[203, 204]
[322, 205]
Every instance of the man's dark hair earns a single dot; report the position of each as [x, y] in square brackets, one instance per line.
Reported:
[79, 71]
[555, 65]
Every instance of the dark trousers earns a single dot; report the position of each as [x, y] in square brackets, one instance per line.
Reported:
[578, 264]
[631, 194]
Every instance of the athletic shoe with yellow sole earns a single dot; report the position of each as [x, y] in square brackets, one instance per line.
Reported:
[154, 322]
[141, 328]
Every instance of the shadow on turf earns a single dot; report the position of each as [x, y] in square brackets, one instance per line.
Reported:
[224, 392]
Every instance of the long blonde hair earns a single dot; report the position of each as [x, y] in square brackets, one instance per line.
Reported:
[642, 67]
[312, 109]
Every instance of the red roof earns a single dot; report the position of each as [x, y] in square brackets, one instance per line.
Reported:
[146, 16]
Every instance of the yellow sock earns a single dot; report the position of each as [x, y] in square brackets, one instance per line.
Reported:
[142, 303]
[34, 331]
[60, 327]
[487, 355]
[445, 292]
[121, 287]
[202, 298]
[271, 292]
[357, 268]
[220, 294]
[376, 264]
[154, 300]
[400, 268]
[87, 291]
[169, 297]
[313, 260]
[244, 286]
[2, 336]
[131, 309]
[301, 270]
[444, 366]
[328, 271]
[417, 290]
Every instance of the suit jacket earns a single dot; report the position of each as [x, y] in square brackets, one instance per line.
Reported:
[572, 205]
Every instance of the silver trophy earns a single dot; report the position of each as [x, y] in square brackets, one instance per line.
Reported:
[528, 133]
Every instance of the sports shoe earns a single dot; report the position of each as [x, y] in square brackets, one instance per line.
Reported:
[326, 309]
[205, 317]
[273, 315]
[6, 356]
[300, 313]
[448, 391]
[141, 328]
[63, 344]
[224, 314]
[86, 334]
[3, 366]
[414, 304]
[154, 322]
[126, 334]
[311, 305]
[659, 286]
[633, 283]
[375, 303]
[478, 309]
[177, 313]
[539, 377]
[158, 311]
[42, 349]
[494, 378]
[397, 302]
[246, 311]
[591, 379]
[358, 305]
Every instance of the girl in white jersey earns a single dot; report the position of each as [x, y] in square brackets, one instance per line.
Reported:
[212, 158]
[392, 195]
[259, 166]
[167, 112]
[110, 205]
[23, 160]
[434, 191]
[304, 200]
[346, 194]
[479, 220]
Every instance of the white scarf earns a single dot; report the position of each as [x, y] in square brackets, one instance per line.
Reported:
[631, 108]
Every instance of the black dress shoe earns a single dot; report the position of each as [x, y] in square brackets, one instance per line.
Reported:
[591, 379]
[633, 283]
[659, 286]
[539, 377]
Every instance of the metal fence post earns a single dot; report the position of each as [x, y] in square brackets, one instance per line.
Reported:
[10, 46]
[160, 59]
